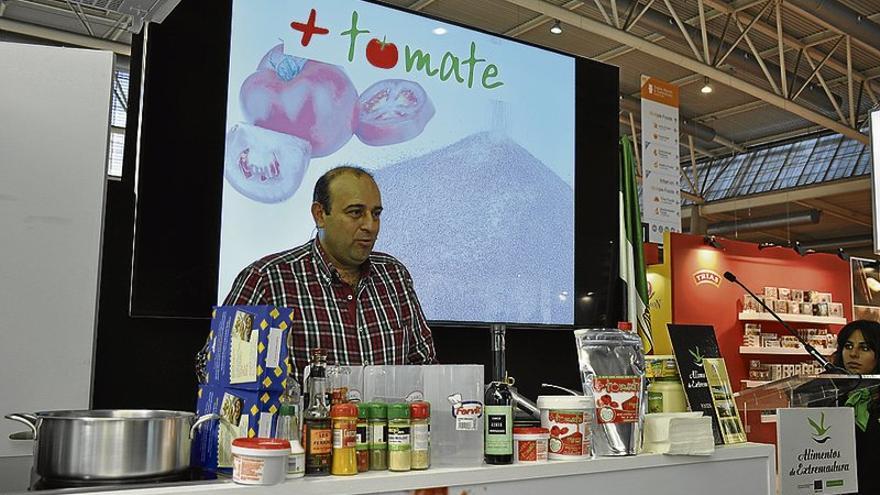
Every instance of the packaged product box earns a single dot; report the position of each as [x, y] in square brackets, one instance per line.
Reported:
[244, 413]
[806, 308]
[770, 302]
[771, 292]
[247, 347]
[753, 329]
[822, 309]
[797, 295]
[780, 306]
[794, 307]
[812, 296]
[836, 310]
[784, 294]
[750, 305]
[825, 297]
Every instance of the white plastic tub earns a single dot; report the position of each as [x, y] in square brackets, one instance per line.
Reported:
[569, 420]
[259, 461]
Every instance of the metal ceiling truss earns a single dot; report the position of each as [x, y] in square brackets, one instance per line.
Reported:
[779, 93]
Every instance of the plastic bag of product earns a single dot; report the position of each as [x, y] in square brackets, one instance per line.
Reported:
[612, 364]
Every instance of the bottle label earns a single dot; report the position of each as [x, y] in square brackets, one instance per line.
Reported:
[569, 431]
[399, 438]
[296, 464]
[320, 441]
[421, 437]
[363, 436]
[499, 426]
[655, 402]
[379, 436]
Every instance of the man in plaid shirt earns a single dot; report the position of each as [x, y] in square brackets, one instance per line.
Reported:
[358, 305]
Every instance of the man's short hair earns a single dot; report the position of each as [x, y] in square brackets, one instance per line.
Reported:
[322, 187]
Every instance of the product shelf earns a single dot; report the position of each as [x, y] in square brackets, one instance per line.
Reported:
[792, 318]
[767, 351]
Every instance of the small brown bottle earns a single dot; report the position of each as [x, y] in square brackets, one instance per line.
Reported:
[317, 433]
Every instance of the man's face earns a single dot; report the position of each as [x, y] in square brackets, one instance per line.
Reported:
[351, 227]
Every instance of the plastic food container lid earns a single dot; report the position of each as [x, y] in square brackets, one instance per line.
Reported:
[565, 402]
[377, 410]
[532, 431]
[266, 444]
[346, 410]
[398, 411]
[420, 410]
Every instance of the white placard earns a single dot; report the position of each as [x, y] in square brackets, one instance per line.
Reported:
[661, 173]
[817, 450]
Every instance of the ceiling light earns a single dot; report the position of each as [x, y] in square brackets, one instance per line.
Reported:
[439, 31]
[707, 88]
[801, 250]
[556, 28]
[710, 240]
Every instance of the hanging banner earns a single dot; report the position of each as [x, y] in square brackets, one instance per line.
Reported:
[661, 172]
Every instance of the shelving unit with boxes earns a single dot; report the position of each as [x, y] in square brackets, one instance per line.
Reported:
[793, 306]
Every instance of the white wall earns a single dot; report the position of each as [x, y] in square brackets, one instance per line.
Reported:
[54, 120]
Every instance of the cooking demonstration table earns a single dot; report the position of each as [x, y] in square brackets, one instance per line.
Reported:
[747, 468]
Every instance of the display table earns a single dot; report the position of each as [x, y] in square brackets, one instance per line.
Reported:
[747, 468]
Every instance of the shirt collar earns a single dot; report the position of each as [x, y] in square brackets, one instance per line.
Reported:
[326, 269]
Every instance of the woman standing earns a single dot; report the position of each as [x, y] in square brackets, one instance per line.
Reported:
[858, 344]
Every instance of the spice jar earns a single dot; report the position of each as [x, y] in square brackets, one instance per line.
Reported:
[399, 446]
[344, 418]
[363, 439]
[377, 415]
[420, 414]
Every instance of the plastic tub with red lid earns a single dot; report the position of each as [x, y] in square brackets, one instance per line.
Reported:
[530, 445]
[259, 461]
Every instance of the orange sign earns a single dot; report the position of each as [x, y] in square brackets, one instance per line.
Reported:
[660, 91]
[707, 277]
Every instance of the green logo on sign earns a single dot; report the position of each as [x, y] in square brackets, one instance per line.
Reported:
[698, 356]
[820, 430]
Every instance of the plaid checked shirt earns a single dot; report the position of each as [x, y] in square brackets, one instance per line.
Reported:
[378, 322]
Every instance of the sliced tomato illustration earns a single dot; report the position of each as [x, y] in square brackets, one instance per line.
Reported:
[264, 165]
[393, 111]
[301, 97]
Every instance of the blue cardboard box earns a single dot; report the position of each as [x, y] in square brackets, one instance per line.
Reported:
[244, 413]
[248, 347]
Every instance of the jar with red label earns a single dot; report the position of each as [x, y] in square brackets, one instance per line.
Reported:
[568, 419]
[344, 418]
[530, 445]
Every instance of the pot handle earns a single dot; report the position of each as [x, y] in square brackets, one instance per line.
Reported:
[30, 420]
[199, 421]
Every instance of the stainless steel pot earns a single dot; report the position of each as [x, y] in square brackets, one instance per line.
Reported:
[110, 444]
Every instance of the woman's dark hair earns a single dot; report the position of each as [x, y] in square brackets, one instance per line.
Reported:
[870, 332]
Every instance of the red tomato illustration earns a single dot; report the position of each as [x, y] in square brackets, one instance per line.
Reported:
[301, 97]
[393, 111]
[381, 54]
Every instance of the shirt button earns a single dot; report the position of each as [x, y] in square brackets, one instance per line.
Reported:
[349, 297]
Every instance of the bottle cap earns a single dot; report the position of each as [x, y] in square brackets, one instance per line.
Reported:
[398, 411]
[363, 409]
[344, 410]
[625, 326]
[377, 410]
[420, 410]
[287, 410]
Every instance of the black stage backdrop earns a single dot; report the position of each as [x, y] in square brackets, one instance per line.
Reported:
[144, 358]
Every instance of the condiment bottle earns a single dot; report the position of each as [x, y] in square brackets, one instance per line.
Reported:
[420, 413]
[316, 419]
[288, 429]
[363, 439]
[498, 432]
[399, 446]
[344, 417]
[377, 414]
